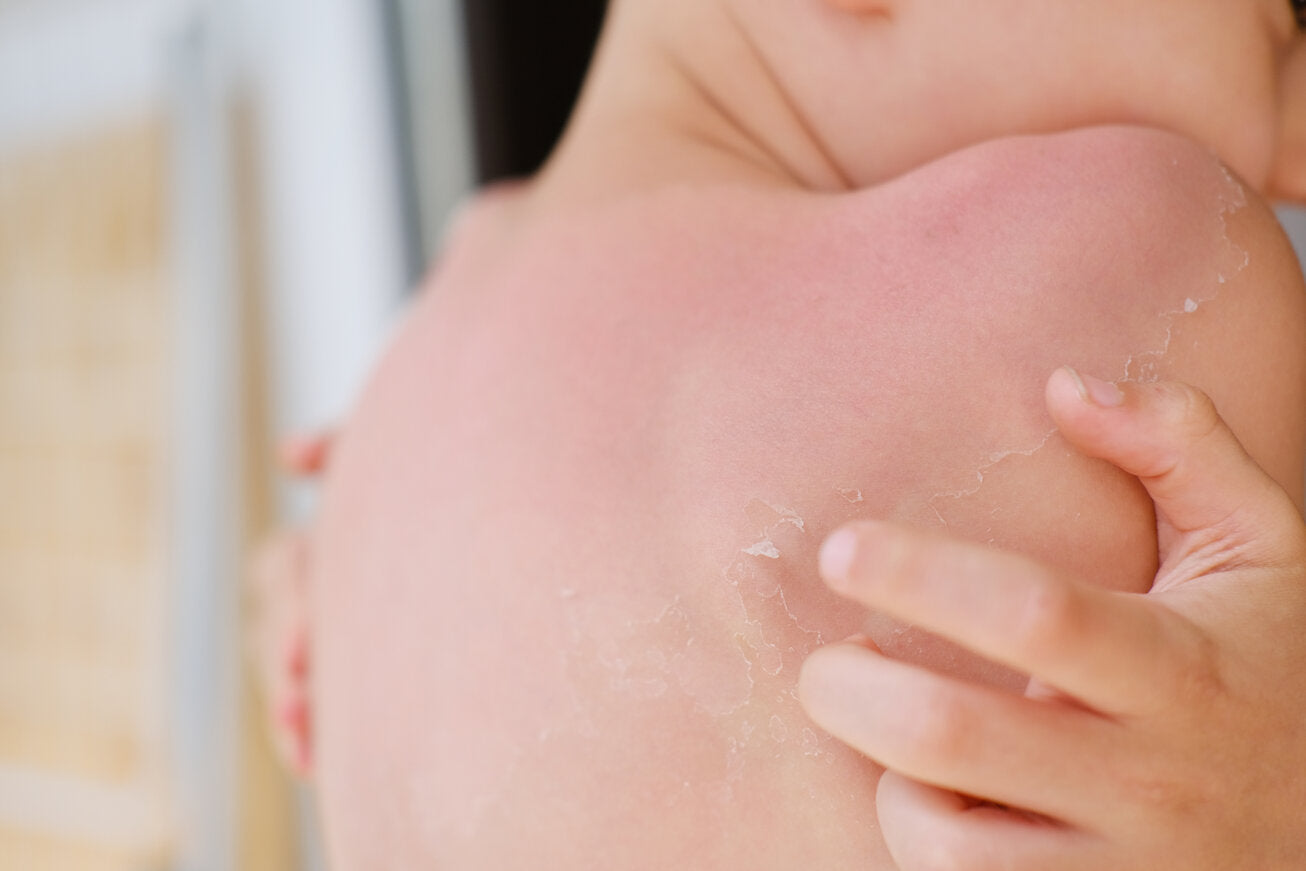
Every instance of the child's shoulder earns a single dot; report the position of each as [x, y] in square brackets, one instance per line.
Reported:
[1107, 165]
[1114, 222]
[1110, 227]
[1094, 199]
[1128, 252]
[1139, 209]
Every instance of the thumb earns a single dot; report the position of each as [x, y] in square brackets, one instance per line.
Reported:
[1170, 436]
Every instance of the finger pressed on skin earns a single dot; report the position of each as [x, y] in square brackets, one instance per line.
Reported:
[1114, 652]
[927, 829]
[964, 737]
[1171, 437]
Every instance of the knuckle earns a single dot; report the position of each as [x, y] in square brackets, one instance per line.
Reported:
[1188, 411]
[943, 731]
[1196, 681]
[1048, 619]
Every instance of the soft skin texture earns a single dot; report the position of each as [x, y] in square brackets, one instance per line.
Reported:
[791, 265]
[833, 96]
[532, 578]
[1125, 738]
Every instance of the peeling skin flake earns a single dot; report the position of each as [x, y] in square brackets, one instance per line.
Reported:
[765, 548]
[996, 458]
[649, 650]
[1233, 198]
[1142, 366]
[654, 649]
[737, 677]
[785, 516]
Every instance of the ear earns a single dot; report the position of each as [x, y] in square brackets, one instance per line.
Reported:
[1288, 180]
[280, 649]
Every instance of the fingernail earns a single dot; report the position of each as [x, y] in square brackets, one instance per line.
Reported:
[1098, 392]
[837, 555]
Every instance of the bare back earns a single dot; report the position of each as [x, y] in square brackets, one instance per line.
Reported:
[567, 559]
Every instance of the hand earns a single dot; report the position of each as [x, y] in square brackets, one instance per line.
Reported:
[1161, 731]
[278, 618]
[306, 455]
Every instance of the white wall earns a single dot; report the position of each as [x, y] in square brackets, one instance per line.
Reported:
[74, 64]
[313, 71]
[441, 114]
[68, 66]
[334, 246]
[316, 75]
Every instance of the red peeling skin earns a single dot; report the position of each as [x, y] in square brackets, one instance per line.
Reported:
[602, 412]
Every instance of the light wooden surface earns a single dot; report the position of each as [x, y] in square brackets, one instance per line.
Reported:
[265, 811]
[83, 381]
[85, 332]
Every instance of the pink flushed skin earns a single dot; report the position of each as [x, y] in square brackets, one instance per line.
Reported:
[540, 637]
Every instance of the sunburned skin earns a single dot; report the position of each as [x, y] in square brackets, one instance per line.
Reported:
[1228, 259]
[782, 271]
[566, 562]
[1221, 253]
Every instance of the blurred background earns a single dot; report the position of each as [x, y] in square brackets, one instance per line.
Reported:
[211, 212]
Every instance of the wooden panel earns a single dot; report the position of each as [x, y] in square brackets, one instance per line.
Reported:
[84, 332]
[41, 853]
[266, 813]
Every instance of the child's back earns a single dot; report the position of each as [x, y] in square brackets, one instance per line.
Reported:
[565, 572]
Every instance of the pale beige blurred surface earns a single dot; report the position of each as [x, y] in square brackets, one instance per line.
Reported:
[84, 349]
[86, 330]
[47, 853]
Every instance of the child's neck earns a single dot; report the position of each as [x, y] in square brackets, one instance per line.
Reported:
[654, 112]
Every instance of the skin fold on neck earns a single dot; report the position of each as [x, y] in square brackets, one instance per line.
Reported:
[661, 105]
[837, 95]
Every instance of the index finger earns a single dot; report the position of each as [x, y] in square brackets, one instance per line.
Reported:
[1115, 652]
